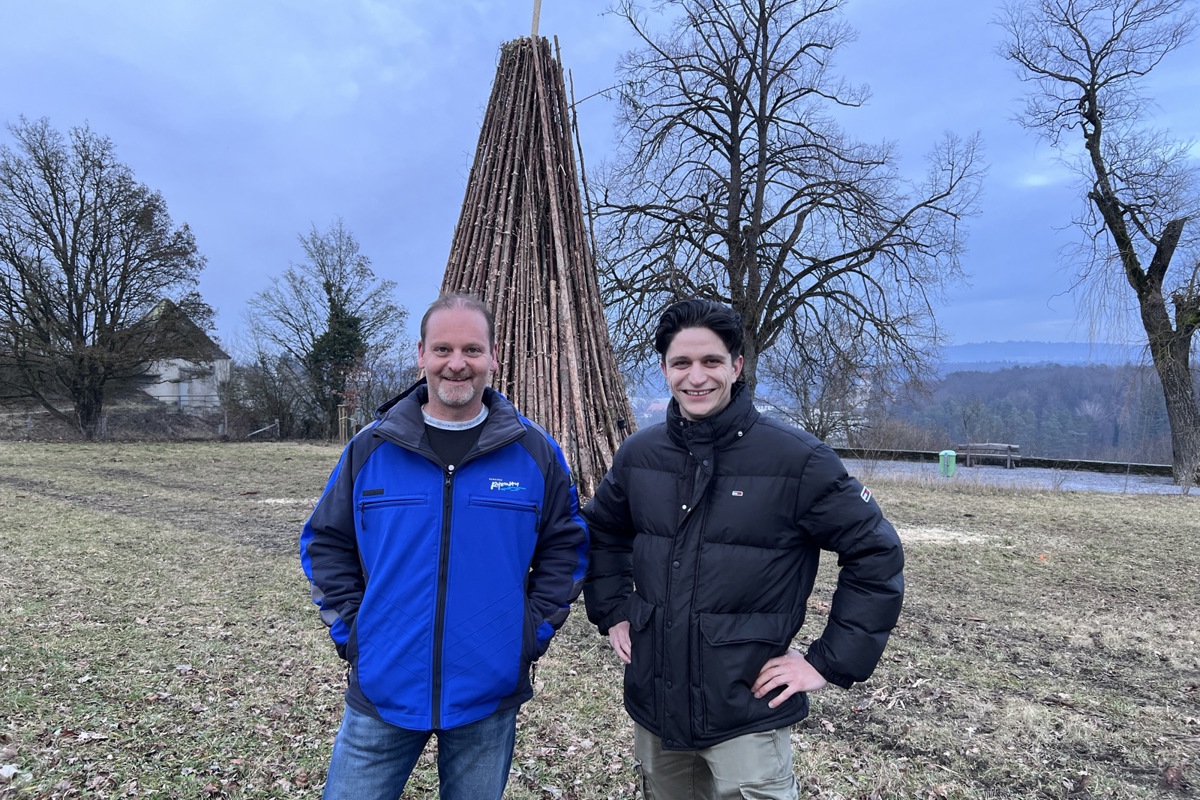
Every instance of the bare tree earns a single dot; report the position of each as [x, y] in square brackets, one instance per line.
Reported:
[1087, 61]
[831, 383]
[263, 390]
[734, 182]
[326, 321]
[86, 254]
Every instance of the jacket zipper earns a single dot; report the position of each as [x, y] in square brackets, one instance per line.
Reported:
[439, 620]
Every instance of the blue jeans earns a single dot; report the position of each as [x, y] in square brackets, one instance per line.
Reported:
[372, 759]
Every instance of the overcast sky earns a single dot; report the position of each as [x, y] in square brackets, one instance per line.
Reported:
[258, 119]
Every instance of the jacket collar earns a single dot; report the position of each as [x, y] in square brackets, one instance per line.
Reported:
[400, 418]
[721, 429]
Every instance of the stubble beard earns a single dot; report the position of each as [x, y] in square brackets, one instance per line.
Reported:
[456, 395]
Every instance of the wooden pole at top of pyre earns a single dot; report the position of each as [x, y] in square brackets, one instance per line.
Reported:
[522, 245]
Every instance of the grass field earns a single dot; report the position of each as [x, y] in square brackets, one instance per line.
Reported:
[159, 642]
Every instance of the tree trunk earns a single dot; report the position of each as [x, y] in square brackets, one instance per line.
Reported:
[1170, 351]
[88, 399]
[750, 363]
[1170, 346]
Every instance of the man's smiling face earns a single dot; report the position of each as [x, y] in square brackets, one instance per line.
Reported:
[700, 372]
[458, 359]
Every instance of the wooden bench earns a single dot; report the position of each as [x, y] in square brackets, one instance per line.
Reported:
[1010, 454]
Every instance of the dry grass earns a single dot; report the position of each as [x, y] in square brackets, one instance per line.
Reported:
[160, 643]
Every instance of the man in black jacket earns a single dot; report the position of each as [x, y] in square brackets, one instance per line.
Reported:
[706, 535]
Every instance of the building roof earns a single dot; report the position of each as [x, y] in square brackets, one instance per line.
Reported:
[172, 323]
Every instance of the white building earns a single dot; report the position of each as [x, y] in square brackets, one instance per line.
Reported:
[186, 384]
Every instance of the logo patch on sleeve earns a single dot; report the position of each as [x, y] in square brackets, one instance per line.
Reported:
[865, 495]
[737, 493]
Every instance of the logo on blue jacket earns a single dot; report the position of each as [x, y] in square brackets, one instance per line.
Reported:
[501, 485]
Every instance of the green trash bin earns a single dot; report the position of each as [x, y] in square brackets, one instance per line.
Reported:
[947, 459]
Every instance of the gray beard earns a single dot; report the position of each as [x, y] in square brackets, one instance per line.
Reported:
[455, 401]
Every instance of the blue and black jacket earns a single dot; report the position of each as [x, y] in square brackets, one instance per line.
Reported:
[442, 584]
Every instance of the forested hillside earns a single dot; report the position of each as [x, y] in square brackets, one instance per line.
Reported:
[1098, 412]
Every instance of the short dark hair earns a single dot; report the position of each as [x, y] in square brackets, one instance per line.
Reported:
[468, 302]
[696, 313]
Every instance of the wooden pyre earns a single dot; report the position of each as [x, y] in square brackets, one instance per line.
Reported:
[522, 245]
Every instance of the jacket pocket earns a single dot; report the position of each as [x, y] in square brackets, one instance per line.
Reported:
[505, 505]
[733, 650]
[641, 683]
[350, 649]
[367, 509]
[530, 647]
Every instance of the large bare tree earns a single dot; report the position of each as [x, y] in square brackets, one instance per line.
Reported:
[1087, 61]
[86, 254]
[733, 181]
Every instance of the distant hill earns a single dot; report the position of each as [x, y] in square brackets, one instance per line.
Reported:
[992, 356]
[1093, 412]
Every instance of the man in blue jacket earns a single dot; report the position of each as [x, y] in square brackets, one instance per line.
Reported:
[445, 552]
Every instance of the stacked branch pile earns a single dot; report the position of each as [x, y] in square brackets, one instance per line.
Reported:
[522, 245]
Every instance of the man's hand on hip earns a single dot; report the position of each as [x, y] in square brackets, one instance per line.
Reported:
[790, 670]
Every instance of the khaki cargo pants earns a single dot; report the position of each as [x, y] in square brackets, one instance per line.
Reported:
[757, 766]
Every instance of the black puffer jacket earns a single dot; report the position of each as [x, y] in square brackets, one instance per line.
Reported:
[706, 537]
